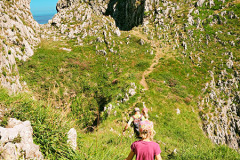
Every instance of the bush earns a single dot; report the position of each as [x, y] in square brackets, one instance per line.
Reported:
[85, 110]
[141, 66]
[48, 131]
[4, 73]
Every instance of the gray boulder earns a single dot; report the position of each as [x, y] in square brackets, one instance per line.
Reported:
[200, 3]
[190, 20]
[17, 142]
[72, 138]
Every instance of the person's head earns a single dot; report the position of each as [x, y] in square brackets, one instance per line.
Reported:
[136, 110]
[144, 110]
[146, 129]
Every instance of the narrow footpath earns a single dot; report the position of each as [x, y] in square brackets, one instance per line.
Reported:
[156, 47]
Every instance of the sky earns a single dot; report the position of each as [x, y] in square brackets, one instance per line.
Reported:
[43, 7]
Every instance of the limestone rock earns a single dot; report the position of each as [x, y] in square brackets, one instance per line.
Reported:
[16, 141]
[229, 63]
[178, 111]
[142, 42]
[190, 20]
[18, 38]
[223, 126]
[211, 3]
[117, 32]
[61, 4]
[126, 98]
[132, 92]
[72, 138]
[200, 3]
[184, 45]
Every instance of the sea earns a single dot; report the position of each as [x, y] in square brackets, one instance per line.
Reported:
[43, 18]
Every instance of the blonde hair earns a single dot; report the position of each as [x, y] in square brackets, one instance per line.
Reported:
[147, 134]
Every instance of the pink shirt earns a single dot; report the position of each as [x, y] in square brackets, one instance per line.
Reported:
[145, 150]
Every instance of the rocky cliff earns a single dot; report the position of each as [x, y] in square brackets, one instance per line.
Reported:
[222, 122]
[127, 14]
[219, 101]
[85, 21]
[18, 36]
[219, 106]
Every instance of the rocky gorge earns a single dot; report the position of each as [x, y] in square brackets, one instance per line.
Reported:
[194, 30]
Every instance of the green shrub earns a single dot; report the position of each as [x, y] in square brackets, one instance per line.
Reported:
[4, 73]
[141, 66]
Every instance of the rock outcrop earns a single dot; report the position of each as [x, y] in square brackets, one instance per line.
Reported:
[64, 4]
[72, 138]
[82, 15]
[222, 123]
[17, 142]
[18, 34]
[126, 13]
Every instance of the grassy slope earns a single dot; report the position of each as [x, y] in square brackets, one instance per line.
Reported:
[49, 128]
[64, 81]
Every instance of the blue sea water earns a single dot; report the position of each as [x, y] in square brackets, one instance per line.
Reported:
[43, 18]
[43, 10]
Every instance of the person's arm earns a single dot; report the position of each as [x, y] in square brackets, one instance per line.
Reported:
[128, 125]
[146, 116]
[130, 156]
[158, 157]
[157, 152]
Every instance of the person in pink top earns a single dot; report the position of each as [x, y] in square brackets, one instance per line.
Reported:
[145, 113]
[145, 149]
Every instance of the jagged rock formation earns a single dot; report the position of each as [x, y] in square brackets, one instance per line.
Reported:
[63, 4]
[219, 107]
[222, 123]
[127, 14]
[17, 142]
[19, 33]
[82, 15]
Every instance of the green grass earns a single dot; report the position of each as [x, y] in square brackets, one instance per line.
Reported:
[72, 89]
[83, 79]
[49, 129]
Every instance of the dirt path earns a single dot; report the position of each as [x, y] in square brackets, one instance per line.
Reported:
[155, 46]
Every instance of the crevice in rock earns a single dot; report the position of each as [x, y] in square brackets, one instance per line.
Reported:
[102, 102]
[126, 13]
